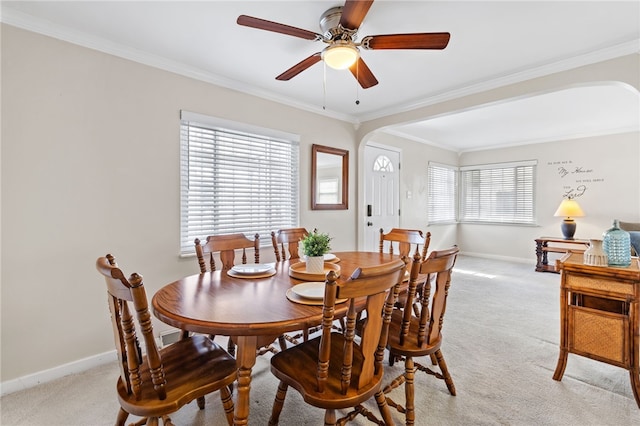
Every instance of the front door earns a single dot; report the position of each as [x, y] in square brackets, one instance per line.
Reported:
[381, 189]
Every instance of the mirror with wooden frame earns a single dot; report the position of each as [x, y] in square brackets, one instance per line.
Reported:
[329, 178]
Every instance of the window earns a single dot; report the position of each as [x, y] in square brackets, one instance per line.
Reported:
[443, 193]
[328, 191]
[382, 164]
[235, 179]
[498, 193]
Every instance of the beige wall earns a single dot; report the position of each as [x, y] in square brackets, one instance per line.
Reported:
[607, 166]
[90, 164]
[614, 158]
[610, 173]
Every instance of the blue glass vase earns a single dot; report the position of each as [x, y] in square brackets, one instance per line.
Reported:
[617, 245]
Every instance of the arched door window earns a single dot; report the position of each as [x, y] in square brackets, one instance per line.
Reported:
[382, 164]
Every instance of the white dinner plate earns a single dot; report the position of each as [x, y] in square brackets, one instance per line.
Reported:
[311, 290]
[251, 269]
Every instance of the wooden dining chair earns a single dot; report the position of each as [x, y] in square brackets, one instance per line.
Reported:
[225, 246]
[286, 242]
[412, 336]
[404, 241]
[335, 371]
[162, 381]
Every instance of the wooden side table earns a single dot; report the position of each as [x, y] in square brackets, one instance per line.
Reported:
[545, 245]
[599, 315]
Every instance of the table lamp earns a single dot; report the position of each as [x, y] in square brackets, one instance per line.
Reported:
[569, 208]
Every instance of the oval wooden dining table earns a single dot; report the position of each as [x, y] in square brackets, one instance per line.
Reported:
[255, 311]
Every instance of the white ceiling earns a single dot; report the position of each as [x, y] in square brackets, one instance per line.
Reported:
[492, 44]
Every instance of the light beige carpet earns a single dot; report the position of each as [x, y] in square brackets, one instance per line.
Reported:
[501, 337]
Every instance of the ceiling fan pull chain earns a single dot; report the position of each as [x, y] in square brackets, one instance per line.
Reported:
[324, 85]
[357, 82]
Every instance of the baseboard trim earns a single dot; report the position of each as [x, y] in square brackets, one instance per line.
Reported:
[79, 366]
[497, 257]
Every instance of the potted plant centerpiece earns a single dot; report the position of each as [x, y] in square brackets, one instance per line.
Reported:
[315, 245]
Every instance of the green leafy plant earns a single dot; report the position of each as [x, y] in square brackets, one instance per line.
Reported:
[316, 244]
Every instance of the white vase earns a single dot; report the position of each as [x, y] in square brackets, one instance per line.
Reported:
[315, 264]
[595, 254]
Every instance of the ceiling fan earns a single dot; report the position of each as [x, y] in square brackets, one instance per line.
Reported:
[339, 27]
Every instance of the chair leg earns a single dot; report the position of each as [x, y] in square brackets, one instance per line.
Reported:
[398, 381]
[329, 417]
[445, 372]
[384, 408]
[231, 347]
[227, 403]
[283, 342]
[409, 393]
[434, 360]
[393, 358]
[121, 420]
[278, 403]
[200, 402]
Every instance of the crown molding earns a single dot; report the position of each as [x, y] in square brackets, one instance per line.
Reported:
[554, 138]
[619, 50]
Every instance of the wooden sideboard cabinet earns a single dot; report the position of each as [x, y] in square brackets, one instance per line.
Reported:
[599, 315]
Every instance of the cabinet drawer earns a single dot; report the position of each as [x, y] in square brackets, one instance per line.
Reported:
[599, 335]
[598, 284]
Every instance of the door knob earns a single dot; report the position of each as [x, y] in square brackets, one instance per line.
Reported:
[369, 223]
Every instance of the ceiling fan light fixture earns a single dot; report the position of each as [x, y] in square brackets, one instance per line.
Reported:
[340, 55]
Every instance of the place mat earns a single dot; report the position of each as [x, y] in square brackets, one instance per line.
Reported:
[267, 274]
[301, 300]
[299, 271]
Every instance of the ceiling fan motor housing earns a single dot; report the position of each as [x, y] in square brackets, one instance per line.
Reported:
[331, 28]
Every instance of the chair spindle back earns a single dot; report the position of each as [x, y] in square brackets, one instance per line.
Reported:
[286, 242]
[380, 286]
[435, 270]
[225, 246]
[404, 240]
[122, 292]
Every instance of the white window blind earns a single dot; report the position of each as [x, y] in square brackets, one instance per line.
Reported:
[498, 193]
[443, 192]
[235, 181]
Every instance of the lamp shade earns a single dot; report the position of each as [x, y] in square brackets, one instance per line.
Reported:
[569, 208]
[340, 56]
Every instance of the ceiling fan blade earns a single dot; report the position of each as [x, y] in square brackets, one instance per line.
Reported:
[263, 24]
[407, 41]
[353, 13]
[300, 66]
[363, 74]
